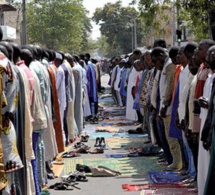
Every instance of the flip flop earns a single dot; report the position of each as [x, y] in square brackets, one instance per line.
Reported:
[96, 151]
[97, 142]
[71, 177]
[71, 155]
[80, 176]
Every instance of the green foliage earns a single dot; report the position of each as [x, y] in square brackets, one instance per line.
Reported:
[58, 24]
[116, 27]
[156, 15]
[197, 14]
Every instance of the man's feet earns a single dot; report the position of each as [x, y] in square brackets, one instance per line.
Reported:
[171, 168]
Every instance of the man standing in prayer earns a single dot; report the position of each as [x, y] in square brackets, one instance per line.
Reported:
[165, 88]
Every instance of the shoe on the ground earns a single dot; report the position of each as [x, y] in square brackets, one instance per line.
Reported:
[171, 168]
[183, 172]
[98, 140]
[165, 163]
[162, 160]
[147, 142]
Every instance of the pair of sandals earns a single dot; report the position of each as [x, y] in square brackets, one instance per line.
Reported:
[101, 130]
[74, 177]
[79, 145]
[63, 186]
[70, 154]
[100, 142]
[94, 120]
[83, 168]
[84, 138]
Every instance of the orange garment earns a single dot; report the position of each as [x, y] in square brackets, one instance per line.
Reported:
[136, 85]
[177, 73]
[57, 122]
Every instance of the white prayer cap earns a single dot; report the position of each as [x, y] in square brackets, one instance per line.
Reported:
[126, 59]
[123, 60]
[59, 56]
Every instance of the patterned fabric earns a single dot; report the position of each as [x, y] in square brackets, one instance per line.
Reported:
[3, 177]
[170, 77]
[143, 94]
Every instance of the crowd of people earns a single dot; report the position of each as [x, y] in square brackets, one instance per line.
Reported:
[45, 95]
[171, 93]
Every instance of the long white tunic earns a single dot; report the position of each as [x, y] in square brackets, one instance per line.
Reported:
[130, 112]
[61, 89]
[204, 155]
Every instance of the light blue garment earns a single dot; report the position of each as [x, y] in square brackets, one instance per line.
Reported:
[91, 66]
[136, 105]
[123, 92]
[188, 152]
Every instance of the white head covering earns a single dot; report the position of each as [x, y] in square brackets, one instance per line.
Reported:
[59, 56]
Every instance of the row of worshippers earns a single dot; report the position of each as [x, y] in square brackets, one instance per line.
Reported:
[45, 97]
[174, 92]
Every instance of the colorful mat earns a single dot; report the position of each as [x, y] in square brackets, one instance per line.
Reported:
[121, 155]
[165, 177]
[109, 129]
[57, 169]
[118, 123]
[138, 187]
[116, 135]
[124, 143]
[127, 166]
[172, 191]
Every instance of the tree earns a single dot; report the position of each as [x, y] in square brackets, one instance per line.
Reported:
[58, 24]
[117, 25]
[199, 15]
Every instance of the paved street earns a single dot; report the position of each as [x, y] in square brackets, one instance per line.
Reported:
[102, 185]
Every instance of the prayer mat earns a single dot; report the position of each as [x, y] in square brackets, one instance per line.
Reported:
[116, 119]
[125, 143]
[121, 155]
[108, 129]
[172, 191]
[138, 187]
[89, 129]
[57, 169]
[126, 166]
[116, 135]
[119, 123]
[165, 177]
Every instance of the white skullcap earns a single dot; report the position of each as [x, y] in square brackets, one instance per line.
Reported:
[126, 59]
[123, 60]
[59, 56]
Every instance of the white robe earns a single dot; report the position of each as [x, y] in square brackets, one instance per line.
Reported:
[204, 155]
[130, 112]
[61, 89]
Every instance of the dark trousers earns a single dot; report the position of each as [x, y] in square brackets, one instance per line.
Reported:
[164, 143]
[65, 127]
[34, 163]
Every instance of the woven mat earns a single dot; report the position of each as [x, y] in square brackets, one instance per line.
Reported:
[127, 166]
[138, 187]
[172, 191]
[125, 143]
[165, 177]
[116, 135]
[118, 123]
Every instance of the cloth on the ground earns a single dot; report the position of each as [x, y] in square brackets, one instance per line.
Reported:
[165, 177]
